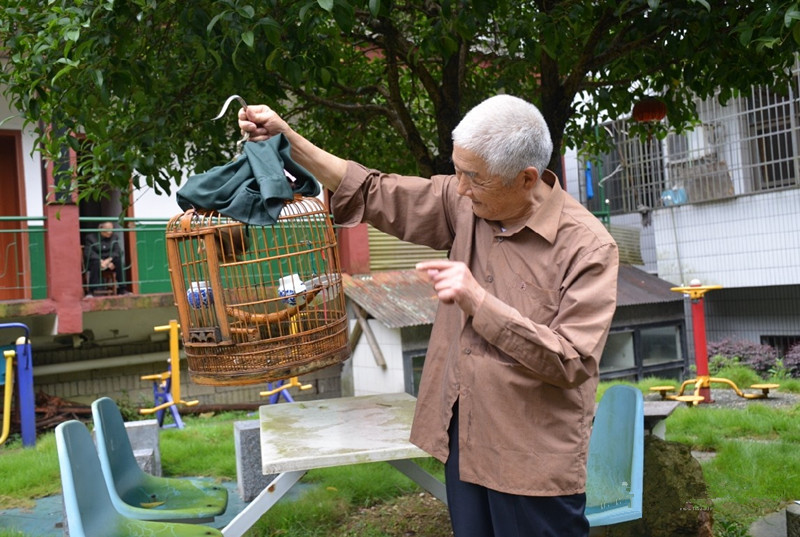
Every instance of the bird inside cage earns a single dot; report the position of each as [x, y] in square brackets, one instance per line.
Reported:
[232, 243]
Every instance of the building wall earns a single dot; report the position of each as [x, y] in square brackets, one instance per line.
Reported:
[124, 383]
[751, 313]
[746, 241]
[368, 377]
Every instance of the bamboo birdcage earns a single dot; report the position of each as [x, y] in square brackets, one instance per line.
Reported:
[258, 303]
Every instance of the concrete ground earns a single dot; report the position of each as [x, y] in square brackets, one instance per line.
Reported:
[773, 525]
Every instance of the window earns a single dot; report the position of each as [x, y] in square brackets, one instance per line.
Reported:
[633, 173]
[660, 345]
[772, 121]
[637, 352]
[618, 353]
[412, 370]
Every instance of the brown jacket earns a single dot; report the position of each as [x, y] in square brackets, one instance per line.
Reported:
[525, 368]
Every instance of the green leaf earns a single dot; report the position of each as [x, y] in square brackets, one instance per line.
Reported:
[61, 72]
[248, 38]
[269, 63]
[325, 77]
[97, 75]
[216, 18]
[344, 15]
[791, 15]
[374, 7]
[746, 36]
[327, 5]
[246, 11]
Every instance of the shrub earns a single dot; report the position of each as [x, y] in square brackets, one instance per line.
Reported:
[762, 358]
[792, 361]
[718, 362]
[741, 375]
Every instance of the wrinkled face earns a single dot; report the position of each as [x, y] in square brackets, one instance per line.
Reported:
[491, 199]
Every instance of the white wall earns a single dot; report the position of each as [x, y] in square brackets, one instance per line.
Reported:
[368, 377]
[148, 204]
[746, 241]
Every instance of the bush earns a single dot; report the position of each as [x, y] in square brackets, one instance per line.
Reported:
[792, 361]
[741, 375]
[718, 362]
[762, 358]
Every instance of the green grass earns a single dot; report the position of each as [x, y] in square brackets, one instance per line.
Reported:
[338, 492]
[203, 448]
[28, 473]
[755, 470]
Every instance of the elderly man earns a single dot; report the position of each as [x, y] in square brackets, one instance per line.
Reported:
[526, 296]
[104, 253]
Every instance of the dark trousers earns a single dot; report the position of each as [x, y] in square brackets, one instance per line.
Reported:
[477, 511]
[95, 279]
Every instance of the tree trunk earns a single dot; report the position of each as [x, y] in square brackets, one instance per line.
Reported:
[556, 107]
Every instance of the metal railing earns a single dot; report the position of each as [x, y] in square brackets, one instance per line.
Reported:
[23, 254]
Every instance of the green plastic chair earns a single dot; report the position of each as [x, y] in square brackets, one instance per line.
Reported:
[88, 507]
[137, 494]
[616, 458]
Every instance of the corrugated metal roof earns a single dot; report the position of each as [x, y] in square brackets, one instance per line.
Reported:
[400, 298]
[636, 287]
[397, 298]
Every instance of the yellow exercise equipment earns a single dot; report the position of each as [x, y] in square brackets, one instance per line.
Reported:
[167, 385]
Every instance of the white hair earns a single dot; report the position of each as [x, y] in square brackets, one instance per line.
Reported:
[508, 133]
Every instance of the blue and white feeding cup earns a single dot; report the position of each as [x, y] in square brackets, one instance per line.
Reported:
[199, 295]
[290, 287]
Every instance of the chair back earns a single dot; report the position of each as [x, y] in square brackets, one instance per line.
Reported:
[120, 469]
[88, 507]
[137, 494]
[616, 458]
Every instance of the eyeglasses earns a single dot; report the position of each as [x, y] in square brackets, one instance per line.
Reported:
[477, 183]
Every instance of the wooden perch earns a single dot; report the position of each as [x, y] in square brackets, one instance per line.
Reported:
[274, 317]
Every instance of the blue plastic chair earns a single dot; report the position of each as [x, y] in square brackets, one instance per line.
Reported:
[88, 507]
[616, 458]
[137, 494]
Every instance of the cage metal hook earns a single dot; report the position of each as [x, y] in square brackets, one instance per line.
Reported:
[245, 135]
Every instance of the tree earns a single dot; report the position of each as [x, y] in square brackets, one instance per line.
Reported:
[131, 86]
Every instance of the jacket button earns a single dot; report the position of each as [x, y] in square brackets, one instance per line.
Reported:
[467, 351]
[490, 278]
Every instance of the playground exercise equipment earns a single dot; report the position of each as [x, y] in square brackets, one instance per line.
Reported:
[702, 382]
[281, 387]
[27, 404]
[167, 385]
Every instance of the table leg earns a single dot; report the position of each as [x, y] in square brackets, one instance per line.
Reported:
[421, 478]
[262, 503]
